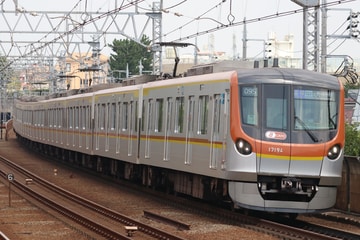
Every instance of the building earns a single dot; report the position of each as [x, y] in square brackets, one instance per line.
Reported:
[81, 70]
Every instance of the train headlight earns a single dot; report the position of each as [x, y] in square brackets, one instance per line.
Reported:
[243, 147]
[334, 151]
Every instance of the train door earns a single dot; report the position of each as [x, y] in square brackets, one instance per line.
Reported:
[189, 129]
[275, 129]
[128, 137]
[218, 102]
[111, 123]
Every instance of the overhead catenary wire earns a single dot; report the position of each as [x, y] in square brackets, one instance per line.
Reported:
[73, 30]
[247, 21]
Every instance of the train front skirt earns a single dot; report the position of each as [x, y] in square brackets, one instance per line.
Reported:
[246, 195]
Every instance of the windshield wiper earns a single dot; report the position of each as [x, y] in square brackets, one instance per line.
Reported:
[307, 130]
[332, 121]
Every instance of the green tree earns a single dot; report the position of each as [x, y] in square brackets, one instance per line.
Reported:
[6, 72]
[352, 140]
[130, 52]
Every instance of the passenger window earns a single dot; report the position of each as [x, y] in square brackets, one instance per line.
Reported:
[159, 114]
[203, 114]
[77, 119]
[125, 118]
[191, 114]
[249, 105]
[143, 116]
[102, 116]
[150, 116]
[179, 114]
[112, 116]
[168, 113]
[131, 114]
[136, 115]
[217, 107]
[71, 117]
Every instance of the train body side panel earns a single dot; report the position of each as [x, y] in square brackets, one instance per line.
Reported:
[189, 133]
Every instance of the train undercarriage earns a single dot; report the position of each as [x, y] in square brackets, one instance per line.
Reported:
[161, 179]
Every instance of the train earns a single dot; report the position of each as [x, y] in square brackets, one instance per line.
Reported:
[264, 139]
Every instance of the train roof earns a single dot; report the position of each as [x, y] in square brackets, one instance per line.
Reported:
[289, 75]
[245, 75]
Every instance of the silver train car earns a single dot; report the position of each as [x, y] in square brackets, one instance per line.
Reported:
[267, 139]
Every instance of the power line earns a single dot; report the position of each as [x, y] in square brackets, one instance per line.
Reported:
[248, 21]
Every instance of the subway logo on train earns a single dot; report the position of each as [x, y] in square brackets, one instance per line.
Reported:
[268, 139]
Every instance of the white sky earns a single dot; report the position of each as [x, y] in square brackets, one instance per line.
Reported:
[174, 26]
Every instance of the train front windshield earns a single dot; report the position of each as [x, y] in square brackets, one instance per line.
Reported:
[305, 113]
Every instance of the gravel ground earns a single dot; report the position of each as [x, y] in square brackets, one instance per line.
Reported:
[24, 221]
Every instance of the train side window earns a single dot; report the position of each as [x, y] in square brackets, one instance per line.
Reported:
[88, 117]
[249, 105]
[191, 114]
[54, 120]
[51, 118]
[136, 115]
[203, 115]
[150, 116]
[112, 116]
[125, 117]
[38, 114]
[102, 116]
[35, 117]
[59, 119]
[83, 117]
[56, 117]
[179, 115]
[71, 118]
[217, 112]
[143, 116]
[159, 114]
[169, 114]
[64, 122]
[46, 122]
[77, 120]
[119, 118]
[97, 125]
[130, 114]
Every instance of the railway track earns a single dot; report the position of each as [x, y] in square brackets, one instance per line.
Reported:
[253, 223]
[72, 212]
[281, 227]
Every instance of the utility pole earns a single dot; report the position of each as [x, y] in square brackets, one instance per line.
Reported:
[244, 42]
[310, 33]
[323, 38]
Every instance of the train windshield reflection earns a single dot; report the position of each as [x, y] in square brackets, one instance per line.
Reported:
[317, 108]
